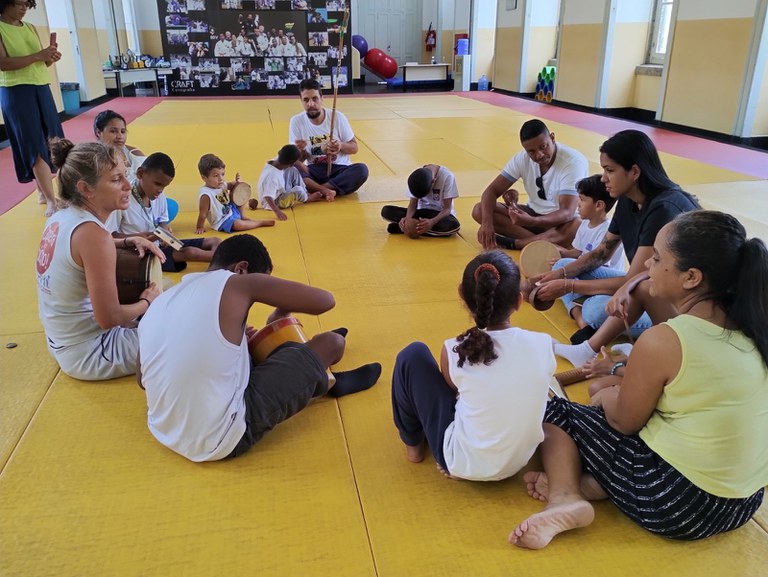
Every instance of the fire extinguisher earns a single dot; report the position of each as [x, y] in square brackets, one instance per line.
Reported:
[431, 39]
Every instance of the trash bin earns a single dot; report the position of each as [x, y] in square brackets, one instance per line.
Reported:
[70, 95]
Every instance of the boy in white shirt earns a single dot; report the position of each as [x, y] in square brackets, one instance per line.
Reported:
[594, 205]
[432, 189]
[148, 210]
[215, 204]
[281, 184]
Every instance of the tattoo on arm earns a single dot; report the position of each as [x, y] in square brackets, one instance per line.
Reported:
[600, 255]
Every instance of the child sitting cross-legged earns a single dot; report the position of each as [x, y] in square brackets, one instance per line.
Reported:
[281, 184]
[432, 189]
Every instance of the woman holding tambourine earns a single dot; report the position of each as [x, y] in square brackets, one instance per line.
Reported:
[87, 328]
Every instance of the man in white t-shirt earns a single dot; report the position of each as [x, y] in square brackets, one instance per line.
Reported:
[311, 132]
[549, 171]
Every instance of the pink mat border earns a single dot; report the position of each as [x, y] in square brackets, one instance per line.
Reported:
[726, 156]
[78, 129]
[722, 155]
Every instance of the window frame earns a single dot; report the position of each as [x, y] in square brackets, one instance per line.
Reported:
[654, 56]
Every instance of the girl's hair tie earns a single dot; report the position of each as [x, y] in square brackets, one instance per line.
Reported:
[487, 267]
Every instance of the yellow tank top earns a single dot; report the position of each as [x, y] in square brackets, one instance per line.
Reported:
[22, 41]
[711, 422]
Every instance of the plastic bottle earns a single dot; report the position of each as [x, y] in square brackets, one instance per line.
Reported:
[482, 84]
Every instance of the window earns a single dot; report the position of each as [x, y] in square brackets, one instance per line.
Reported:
[662, 17]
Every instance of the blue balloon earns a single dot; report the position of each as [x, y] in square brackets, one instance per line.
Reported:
[173, 209]
[361, 44]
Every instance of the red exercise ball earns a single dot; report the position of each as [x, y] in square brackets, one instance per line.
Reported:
[374, 57]
[388, 67]
[381, 63]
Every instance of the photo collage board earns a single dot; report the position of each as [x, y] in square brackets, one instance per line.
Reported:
[254, 47]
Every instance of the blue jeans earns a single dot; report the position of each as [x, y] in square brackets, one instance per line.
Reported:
[593, 307]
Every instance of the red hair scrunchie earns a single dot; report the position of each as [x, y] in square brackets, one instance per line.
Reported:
[487, 267]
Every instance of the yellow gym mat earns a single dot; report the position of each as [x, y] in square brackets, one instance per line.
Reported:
[85, 490]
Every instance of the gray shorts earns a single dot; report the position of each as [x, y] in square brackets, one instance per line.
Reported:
[279, 388]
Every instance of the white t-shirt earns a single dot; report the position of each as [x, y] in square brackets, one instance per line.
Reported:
[138, 218]
[500, 407]
[219, 210]
[271, 183]
[301, 128]
[443, 189]
[587, 239]
[195, 379]
[275, 184]
[569, 167]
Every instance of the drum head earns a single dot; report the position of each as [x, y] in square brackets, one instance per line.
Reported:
[535, 258]
[156, 272]
[241, 192]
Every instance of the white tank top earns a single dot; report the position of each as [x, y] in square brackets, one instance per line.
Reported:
[194, 377]
[64, 304]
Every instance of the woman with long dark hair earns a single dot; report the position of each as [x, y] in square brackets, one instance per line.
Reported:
[678, 446]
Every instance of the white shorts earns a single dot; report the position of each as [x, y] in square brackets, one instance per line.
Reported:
[110, 355]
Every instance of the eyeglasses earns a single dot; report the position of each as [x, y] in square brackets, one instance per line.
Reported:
[542, 193]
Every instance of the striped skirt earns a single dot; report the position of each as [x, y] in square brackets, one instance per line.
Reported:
[643, 485]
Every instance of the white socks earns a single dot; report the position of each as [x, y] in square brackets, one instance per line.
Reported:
[576, 354]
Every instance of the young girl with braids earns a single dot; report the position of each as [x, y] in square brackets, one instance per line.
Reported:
[480, 410]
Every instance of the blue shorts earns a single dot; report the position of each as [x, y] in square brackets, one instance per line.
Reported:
[171, 265]
[227, 225]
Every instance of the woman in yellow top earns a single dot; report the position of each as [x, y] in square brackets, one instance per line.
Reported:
[679, 446]
[25, 97]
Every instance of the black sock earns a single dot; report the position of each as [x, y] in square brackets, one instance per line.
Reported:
[341, 331]
[505, 241]
[356, 380]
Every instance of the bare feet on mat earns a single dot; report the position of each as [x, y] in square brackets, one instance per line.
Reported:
[538, 530]
[416, 453]
[538, 486]
[49, 209]
[445, 472]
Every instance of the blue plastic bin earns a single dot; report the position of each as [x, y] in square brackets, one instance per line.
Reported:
[70, 96]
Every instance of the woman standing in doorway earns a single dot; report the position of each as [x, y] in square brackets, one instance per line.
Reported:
[25, 97]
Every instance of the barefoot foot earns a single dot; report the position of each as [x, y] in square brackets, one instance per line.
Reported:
[416, 454]
[538, 530]
[537, 485]
[50, 208]
[445, 472]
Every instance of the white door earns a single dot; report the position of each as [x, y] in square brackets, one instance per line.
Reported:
[393, 26]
